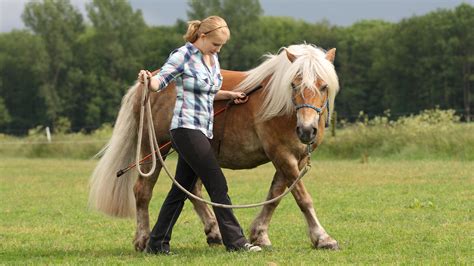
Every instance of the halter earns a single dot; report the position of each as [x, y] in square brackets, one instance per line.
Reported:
[318, 110]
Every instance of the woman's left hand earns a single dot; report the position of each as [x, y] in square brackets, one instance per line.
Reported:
[239, 97]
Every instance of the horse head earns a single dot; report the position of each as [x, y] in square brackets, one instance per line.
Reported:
[311, 101]
[299, 79]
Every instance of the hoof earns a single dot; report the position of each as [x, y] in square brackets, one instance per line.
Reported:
[262, 242]
[260, 238]
[214, 241]
[327, 243]
[140, 243]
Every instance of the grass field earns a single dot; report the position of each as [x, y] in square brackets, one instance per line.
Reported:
[390, 212]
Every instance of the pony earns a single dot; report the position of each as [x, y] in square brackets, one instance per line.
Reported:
[277, 124]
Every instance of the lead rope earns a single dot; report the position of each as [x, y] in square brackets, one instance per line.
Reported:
[154, 147]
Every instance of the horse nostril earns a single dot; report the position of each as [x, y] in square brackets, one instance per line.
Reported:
[315, 131]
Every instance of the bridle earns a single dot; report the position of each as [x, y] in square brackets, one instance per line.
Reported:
[318, 110]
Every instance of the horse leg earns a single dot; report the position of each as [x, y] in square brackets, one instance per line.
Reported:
[319, 237]
[207, 217]
[143, 190]
[259, 227]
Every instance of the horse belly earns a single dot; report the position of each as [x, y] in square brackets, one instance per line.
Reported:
[239, 150]
[243, 160]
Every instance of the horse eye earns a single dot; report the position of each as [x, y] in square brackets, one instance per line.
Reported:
[324, 87]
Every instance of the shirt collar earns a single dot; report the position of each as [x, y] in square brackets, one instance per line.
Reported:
[192, 48]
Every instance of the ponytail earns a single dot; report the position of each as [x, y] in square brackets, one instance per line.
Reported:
[192, 33]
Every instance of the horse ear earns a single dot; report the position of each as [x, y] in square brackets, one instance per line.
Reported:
[331, 54]
[290, 56]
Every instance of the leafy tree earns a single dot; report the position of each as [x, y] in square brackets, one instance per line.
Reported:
[464, 32]
[64, 74]
[358, 50]
[5, 117]
[422, 68]
[200, 9]
[58, 23]
[119, 35]
[160, 42]
[23, 65]
[114, 51]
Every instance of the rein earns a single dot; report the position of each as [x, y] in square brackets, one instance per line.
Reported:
[155, 149]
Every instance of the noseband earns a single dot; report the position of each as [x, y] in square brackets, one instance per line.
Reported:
[318, 110]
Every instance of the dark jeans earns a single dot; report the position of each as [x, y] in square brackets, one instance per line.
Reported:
[196, 159]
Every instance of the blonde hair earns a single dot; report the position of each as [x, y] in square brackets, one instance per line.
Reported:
[211, 26]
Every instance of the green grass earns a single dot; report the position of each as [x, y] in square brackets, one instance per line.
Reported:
[390, 212]
[77, 145]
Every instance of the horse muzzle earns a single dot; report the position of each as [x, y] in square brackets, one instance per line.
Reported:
[306, 134]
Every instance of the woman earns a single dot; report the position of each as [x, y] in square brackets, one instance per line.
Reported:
[196, 71]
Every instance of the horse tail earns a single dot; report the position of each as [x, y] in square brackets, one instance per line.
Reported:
[110, 194]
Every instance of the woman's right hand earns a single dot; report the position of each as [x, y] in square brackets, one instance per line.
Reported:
[142, 75]
[152, 83]
[239, 97]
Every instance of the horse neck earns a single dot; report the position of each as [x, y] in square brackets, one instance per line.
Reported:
[231, 79]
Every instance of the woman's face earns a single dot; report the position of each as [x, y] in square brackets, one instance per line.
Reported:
[212, 44]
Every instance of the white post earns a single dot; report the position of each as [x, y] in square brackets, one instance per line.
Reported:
[48, 134]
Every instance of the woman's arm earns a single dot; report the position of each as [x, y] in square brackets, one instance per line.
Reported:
[238, 96]
[168, 72]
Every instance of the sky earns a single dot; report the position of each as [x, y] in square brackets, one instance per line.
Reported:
[337, 12]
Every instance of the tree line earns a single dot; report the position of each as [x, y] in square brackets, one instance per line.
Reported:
[64, 71]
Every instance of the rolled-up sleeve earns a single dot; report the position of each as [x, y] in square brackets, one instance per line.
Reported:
[171, 69]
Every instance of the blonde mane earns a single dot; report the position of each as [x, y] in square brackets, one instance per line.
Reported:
[310, 63]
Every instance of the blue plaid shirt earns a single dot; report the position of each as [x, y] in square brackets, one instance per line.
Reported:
[196, 87]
